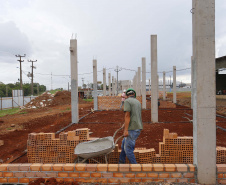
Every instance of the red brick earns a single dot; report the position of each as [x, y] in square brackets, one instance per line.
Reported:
[13, 167]
[80, 167]
[153, 175]
[25, 167]
[58, 167]
[220, 176]
[91, 167]
[107, 175]
[147, 180]
[62, 174]
[222, 181]
[135, 180]
[118, 175]
[191, 167]
[130, 175]
[73, 174]
[124, 167]
[68, 180]
[1, 174]
[96, 175]
[220, 167]
[112, 167]
[176, 175]
[3, 167]
[171, 180]
[192, 180]
[181, 167]
[8, 174]
[59, 179]
[146, 167]
[40, 174]
[13, 180]
[158, 180]
[3, 180]
[141, 175]
[163, 175]
[189, 175]
[53, 174]
[19, 174]
[30, 174]
[85, 174]
[24, 180]
[170, 167]
[113, 180]
[47, 167]
[124, 180]
[35, 167]
[102, 167]
[158, 167]
[135, 167]
[102, 181]
[182, 180]
[69, 167]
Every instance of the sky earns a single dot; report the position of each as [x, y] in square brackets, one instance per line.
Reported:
[115, 32]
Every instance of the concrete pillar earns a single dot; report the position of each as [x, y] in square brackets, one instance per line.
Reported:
[104, 82]
[149, 84]
[74, 81]
[109, 84]
[143, 83]
[193, 82]
[113, 86]
[95, 84]
[154, 80]
[164, 85]
[205, 118]
[174, 85]
[135, 82]
[158, 85]
[139, 81]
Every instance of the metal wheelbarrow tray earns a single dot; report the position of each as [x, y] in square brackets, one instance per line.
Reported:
[95, 148]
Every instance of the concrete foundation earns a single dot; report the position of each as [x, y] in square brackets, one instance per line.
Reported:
[174, 85]
[154, 80]
[74, 81]
[143, 83]
[95, 84]
[204, 118]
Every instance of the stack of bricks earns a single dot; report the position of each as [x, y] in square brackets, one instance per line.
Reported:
[221, 155]
[176, 149]
[111, 102]
[45, 148]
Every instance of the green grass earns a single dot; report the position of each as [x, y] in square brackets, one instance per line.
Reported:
[9, 111]
[88, 100]
[54, 91]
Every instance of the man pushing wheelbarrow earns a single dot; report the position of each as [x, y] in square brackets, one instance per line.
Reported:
[132, 127]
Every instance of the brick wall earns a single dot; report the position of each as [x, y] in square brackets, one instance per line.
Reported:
[221, 173]
[105, 173]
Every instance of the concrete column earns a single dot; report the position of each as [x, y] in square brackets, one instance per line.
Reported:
[135, 82]
[154, 80]
[143, 83]
[139, 81]
[193, 82]
[95, 84]
[74, 81]
[158, 85]
[104, 82]
[205, 118]
[174, 85]
[109, 84]
[164, 85]
[149, 84]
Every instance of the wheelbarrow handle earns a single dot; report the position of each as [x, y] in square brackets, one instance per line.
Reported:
[117, 132]
[118, 140]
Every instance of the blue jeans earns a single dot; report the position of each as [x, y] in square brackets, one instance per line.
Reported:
[128, 144]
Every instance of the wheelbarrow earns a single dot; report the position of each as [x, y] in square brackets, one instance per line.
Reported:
[95, 148]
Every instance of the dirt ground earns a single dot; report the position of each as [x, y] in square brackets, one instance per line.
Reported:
[53, 117]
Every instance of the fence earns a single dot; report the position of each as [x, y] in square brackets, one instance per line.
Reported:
[12, 102]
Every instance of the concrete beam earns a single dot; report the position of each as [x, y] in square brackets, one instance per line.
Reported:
[95, 84]
[143, 83]
[154, 80]
[164, 85]
[174, 85]
[104, 82]
[74, 81]
[204, 120]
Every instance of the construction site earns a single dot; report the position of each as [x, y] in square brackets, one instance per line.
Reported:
[87, 134]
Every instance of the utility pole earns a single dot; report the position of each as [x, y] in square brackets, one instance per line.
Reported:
[82, 83]
[117, 70]
[21, 84]
[32, 75]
